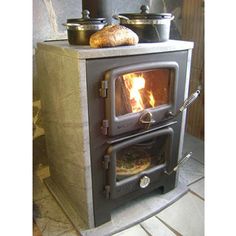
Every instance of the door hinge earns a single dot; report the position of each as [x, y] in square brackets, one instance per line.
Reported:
[103, 89]
[104, 127]
[107, 191]
[106, 161]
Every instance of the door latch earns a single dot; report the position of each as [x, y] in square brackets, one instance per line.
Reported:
[146, 119]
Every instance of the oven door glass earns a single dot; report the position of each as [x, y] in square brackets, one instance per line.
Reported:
[139, 157]
[138, 89]
[147, 155]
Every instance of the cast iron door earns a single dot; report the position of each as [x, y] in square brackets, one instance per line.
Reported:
[139, 162]
[139, 95]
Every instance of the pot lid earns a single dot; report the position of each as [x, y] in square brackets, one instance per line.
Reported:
[146, 15]
[86, 20]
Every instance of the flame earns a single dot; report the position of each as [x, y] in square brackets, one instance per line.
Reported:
[151, 99]
[135, 84]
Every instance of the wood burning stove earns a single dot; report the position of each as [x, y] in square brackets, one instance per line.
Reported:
[111, 130]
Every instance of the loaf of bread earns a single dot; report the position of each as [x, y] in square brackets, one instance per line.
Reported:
[112, 36]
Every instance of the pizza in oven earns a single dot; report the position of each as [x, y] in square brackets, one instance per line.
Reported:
[132, 161]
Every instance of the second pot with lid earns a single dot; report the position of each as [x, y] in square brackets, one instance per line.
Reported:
[150, 27]
[79, 30]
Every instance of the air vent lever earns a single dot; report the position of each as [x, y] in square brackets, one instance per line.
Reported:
[186, 103]
[181, 162]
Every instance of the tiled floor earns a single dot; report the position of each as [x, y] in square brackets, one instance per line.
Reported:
[184, 217]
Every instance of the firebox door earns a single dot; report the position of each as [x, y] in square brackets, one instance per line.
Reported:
[138, 96]
[138, 163]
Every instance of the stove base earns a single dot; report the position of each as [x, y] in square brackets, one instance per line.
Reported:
[124, 217]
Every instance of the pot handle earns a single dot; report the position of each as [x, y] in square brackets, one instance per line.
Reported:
[118, 17]
[70, 24]
[85, 14]
[144, 9]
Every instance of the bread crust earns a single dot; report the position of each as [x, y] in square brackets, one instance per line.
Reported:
[112, 36]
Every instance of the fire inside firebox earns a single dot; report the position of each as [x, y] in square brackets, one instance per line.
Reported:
[141, 90]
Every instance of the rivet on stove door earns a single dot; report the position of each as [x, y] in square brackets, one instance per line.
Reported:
[144, 182]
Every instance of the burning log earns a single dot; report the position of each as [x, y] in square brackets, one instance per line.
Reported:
[123, 105]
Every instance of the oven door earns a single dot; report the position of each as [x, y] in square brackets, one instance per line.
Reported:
[139, 95]
[139, 162]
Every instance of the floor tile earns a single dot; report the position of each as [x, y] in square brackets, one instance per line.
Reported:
[72, 232]
[133, 231]
[186, 215]
[39, 189]
[198, 154]
[198, 188]
[50, 227]
[191, 142]
[51, 220]
[191, 171]
[194, 145]
[156, 228]
[36, 230]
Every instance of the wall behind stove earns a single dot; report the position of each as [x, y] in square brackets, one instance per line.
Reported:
[48, 16]
[193, 30]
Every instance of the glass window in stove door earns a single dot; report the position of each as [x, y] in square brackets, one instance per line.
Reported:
[141, 156]
[143, 89]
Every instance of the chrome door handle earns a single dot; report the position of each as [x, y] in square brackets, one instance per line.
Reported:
[181, 162]
[186, 103]
[146, 119]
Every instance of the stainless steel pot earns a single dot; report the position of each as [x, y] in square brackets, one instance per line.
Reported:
[148, 26]
[79, 30]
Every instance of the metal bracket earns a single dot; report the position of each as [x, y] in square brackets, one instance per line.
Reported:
[107, 191]
[103, 89]
[104, 127]
[181, 162]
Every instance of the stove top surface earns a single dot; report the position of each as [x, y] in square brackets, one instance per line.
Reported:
[85, 52]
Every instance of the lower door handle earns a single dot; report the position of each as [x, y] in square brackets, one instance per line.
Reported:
[181, 162]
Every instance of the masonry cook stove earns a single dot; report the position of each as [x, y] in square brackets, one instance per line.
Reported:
[112, 122]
